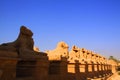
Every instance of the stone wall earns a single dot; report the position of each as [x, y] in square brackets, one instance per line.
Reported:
[82, 64]
[8, 68]
[19, 61]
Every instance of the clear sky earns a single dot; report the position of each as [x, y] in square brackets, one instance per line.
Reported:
[92, 24]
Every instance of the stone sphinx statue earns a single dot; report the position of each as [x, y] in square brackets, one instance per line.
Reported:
[22, 46]
[60, 51]
[74, 54]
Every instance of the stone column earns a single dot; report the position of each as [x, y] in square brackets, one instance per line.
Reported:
[86, 69]
[100, 70]
[77, 71]
[93, 70]
[106, 69]
[90, 73]
[110, 69]
[83, 74]
[96, 69]
[102, 74]
[63, 67]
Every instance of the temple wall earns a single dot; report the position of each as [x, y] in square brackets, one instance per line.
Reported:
[18, 61]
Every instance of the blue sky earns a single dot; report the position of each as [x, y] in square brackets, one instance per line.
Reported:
[92, 24]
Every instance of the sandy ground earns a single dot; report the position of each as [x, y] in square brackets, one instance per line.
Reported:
[115, 76]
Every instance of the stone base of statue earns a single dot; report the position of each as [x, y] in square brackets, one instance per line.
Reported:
[8, 68]
[10, 54]
[58, 69]
[33, 68]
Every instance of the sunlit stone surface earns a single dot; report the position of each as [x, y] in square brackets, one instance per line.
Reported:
[20, 60]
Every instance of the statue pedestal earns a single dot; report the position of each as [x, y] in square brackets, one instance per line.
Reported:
[58, 69]
[33, 68]
[8, 68]
[8, 54]
[41, 70]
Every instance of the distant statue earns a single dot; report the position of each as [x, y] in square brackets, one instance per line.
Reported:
[74, 54]
[23, 45]
[36, 49]
[60, 51]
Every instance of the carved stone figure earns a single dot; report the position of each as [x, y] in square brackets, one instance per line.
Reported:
[22, 46]
[60, 51]
[74, 54]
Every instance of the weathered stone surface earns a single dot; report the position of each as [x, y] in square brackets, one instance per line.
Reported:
[89, 57]
[84, 51]
[85, 56]
[11, 54]
[74, 54]
[36, 49]
[8, 68]
[1, 72]
[60, 51]
[78, 64]
[58, 70]
[22, 46]
[24, 40]
[113, 64]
